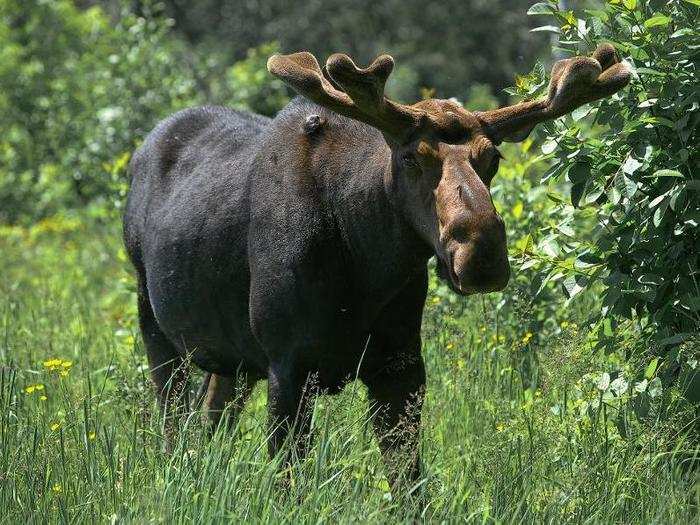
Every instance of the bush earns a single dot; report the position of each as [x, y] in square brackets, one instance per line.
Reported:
[631, 164]
[78, 95]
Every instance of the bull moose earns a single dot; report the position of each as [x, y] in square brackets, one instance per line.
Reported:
[295, 249]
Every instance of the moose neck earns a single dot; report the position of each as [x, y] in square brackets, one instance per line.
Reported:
[384, 249]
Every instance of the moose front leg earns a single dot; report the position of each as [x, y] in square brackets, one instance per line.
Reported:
[396, 380]
[396, 400]
[290, 398]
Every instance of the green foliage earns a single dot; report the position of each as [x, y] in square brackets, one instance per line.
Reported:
[81, 434]
[252, 87]
[78, 95]
[631, 165]
[447, 45]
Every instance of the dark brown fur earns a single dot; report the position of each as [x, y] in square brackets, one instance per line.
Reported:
[295, 249]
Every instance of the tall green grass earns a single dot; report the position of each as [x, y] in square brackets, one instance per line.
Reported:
[85, 445]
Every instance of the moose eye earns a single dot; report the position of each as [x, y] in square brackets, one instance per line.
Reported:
[409, 159]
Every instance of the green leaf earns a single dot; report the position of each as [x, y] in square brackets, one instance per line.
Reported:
[630, 4]
[580, 172]
[667, 173]
[549, 146]
[674, 339]
[694, 2]
[574, 284]
[540, 8]
[651, 368]
[626, 186]
[577, 193]
[659, 213]
[657, 20]
[566, 230]
[581, 112]
[655, 388]
[546, 29]
[631, 165]
[550, 247]
[653, 204]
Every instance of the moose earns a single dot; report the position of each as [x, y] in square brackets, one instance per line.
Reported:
[295, 249]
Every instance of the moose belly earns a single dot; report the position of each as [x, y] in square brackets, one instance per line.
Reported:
[206, 319]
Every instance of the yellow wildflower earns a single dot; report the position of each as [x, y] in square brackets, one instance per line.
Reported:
[450, 346]
[63, 373]
[33, 388]
[501, 338]
[527, 337]
[92, 436]
[55, 426]
[436, 300]
[500, 427]
[43, 398]
[58, 365]
[564, 324]
[51, 364]
[57, 487]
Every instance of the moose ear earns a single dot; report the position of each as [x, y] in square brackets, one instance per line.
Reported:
[519, 135]
[574, 82]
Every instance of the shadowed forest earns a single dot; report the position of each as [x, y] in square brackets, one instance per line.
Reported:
[569, 397]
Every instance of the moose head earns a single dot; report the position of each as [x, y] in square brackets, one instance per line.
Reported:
[444, 157]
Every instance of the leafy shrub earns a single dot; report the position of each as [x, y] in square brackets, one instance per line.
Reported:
[631, 163]
[78, 94]
[252, 87]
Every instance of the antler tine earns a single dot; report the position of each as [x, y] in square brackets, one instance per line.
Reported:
[302, 72]
[361, 96]
[574, 82]
[365, 86]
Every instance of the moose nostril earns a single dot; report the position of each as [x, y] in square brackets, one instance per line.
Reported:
[464, 193]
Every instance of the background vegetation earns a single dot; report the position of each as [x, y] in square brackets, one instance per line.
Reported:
[570, 397]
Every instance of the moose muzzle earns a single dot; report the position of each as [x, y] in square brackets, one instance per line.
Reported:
[480, 264]
[472, 253]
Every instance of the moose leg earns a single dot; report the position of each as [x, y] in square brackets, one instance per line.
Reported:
[225, 398]
[290, 401]
[396, 400]
[168, 370]
[396, 389]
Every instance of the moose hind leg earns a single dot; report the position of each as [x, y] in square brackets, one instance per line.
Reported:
[225, 398]
[169, 371]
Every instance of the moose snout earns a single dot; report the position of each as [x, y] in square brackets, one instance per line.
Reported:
[479, 263]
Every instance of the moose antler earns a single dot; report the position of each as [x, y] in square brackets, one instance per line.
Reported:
[575, 81]
[361, 93]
